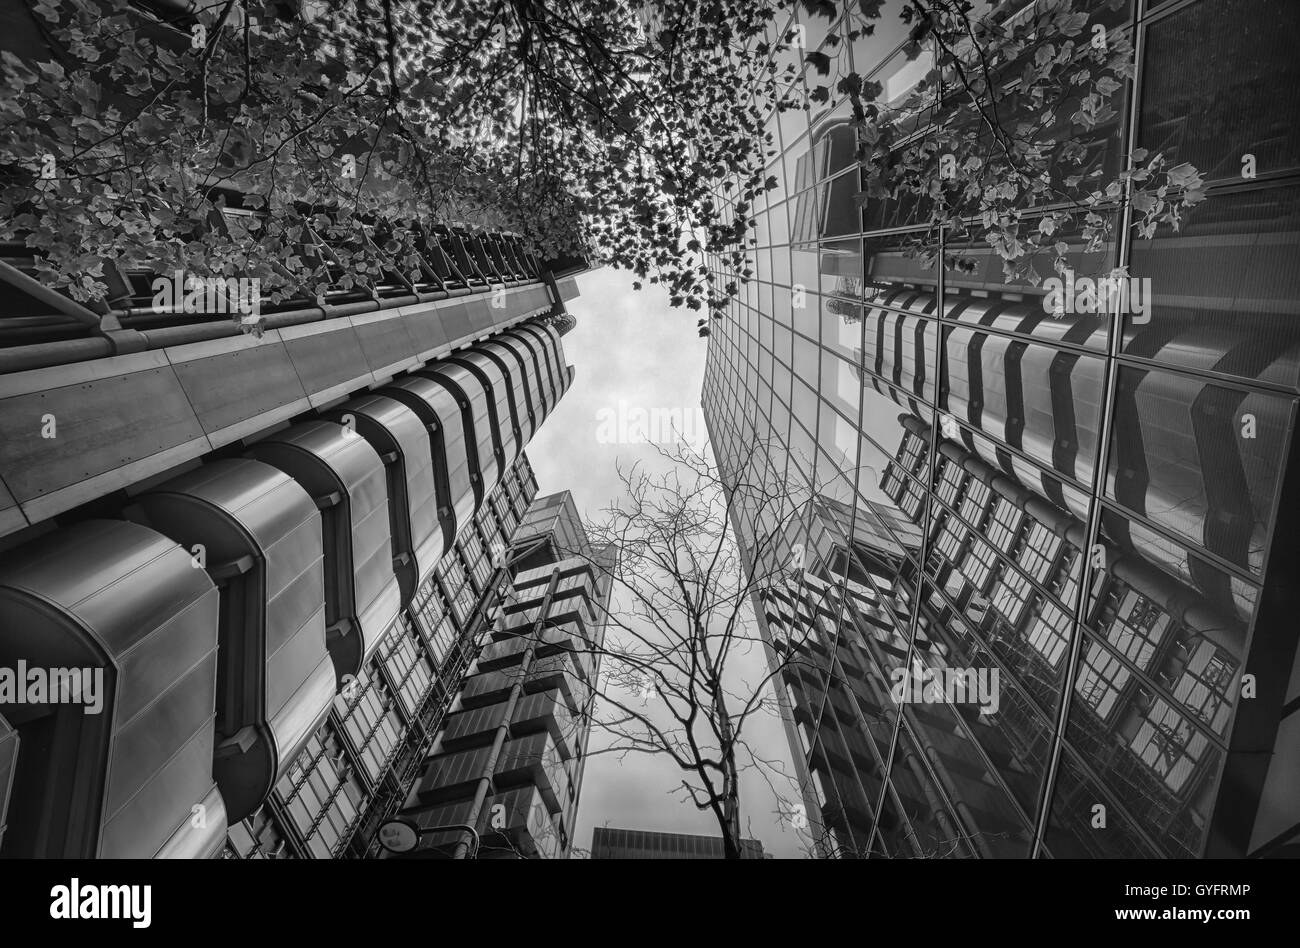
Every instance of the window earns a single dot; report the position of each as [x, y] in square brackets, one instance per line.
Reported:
[1168, 743]
[371, 721]
[407, 665]
[977, 567]
[1206, 683]
[951, 537]
[974, 504]
[1050, 632]
[321, 792]
[951, 478]
[1011, 596]
[1101, 680]
[1038, 551]
[1137, 628]
[1004, 526]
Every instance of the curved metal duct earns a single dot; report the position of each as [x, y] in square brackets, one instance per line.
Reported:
[525, 400]
[402, 443]
[506, 431]
[258, 534]
[477, 413]
[120, 631]
[439, 412]
[346, 479]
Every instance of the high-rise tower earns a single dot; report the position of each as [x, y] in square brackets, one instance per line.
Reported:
[1096, 511]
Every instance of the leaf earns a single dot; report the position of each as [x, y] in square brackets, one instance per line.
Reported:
[1183, 175]
[819, 61]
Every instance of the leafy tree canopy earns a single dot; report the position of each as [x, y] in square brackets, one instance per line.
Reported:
[603, 128]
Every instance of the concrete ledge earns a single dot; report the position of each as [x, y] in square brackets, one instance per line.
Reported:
[126, 418]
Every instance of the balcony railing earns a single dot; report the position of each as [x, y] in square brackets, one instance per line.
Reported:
[42, 326]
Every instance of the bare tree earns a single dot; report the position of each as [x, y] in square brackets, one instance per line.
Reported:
[684, 669]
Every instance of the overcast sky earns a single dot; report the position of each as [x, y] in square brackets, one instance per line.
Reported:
[632, 353]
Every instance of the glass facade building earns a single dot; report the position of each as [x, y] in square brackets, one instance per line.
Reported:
[608, 842]
[510, 759]
[1096, 512]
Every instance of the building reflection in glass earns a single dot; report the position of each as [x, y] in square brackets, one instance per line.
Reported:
[1107, 523]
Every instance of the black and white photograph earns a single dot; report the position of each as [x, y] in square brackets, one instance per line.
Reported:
[445, 431]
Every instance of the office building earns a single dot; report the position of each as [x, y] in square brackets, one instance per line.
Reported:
[264, 559]
[608, 842]
[510, 759]
[361, 763]
[1093, 512]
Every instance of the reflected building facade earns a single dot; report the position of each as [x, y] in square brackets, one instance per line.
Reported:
[1098, 509]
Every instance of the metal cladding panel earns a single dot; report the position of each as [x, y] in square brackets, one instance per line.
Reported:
[120, 597]
[520, 397]
[437, 406]
[455, 320]
[557, 352]
[474, 726]
[427, 325]
[485, 688]
[528, 824]
[323, 359]
[185, 844]
[482, 314]
[534, 372]
[552, 383]
[384, 338]
[389, 426]
[546, 710]
[528, 829]
[505, 423]
[8, 764]
[228, 387]
[534, 759]
[477, 404]
[277, 677]
[361, 587]
[449, 776]
[103, 423]
[446, 814]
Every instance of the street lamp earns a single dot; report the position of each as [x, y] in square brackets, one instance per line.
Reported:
[402, 836]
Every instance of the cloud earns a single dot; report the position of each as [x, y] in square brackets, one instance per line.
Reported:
[629, 346]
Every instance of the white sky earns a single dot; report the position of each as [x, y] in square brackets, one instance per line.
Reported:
[630, 347]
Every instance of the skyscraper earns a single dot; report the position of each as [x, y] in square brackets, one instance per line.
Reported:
[1085, 520]
[242, 574]
[276, 622]
[510, 759]
[358, 768]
